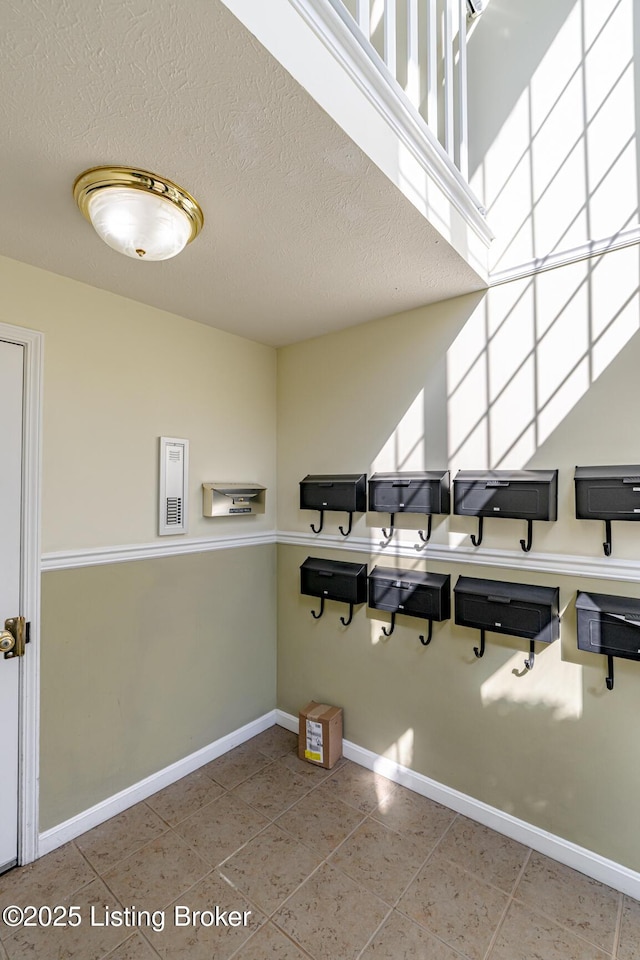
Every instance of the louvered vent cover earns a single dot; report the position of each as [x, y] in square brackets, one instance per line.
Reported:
[174, 466]
[174, 510]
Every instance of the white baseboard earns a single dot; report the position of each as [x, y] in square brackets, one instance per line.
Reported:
[592, 864]
[63, 832]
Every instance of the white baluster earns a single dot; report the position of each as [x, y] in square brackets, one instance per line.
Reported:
[390, 35]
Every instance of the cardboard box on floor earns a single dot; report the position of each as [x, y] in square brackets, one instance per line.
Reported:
[320, 734]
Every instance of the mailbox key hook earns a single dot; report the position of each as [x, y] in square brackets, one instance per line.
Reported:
[527, 546]
[428, 536]
[476, 541]
[316, 616]
[345, 533]
[388, 632]
[532, 656]
[390, 533]
[321, 523]
[349, 618]
[480, 652]
[427, 640]
[609, 680]
[607, 547]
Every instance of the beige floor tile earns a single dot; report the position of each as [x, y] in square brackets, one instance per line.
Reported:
[587, 907]
[47, 881]
[270, 944]
[494, 858]
[457, 907]
[236, 766]
[219, 829]
[84, 942]
[402, 939]
[3, 952]
[179, 800]
[320, 820]
[270, 867]
[157, 873]
[275, 742]
[201, 939]
[273, 790]
[525, 935]
[378, 858]
[120, 836]
[330, 916]
[360, 788]
[135, 948]
[416, 817]
[629, 945]
[311, 771]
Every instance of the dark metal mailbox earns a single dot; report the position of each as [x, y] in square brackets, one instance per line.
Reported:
[609, 624]
[345, 491]
[608, 493]
[341, 491]
[425, 595]
[334, 580]
[425, 492]
[514, 494]
[517, 609]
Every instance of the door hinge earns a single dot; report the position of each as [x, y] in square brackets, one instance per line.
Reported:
[14, 637]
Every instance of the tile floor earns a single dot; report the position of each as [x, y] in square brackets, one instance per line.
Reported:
[332, 865]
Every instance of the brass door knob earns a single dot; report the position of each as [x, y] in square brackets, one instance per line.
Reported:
[7, 641]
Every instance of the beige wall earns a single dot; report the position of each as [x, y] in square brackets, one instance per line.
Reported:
[553, 131]
[118, 375]
[144, 663]
[521, 377]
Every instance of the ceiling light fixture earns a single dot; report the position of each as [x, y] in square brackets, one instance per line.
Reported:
[138, 213]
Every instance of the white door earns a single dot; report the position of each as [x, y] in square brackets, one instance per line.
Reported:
[11, 414]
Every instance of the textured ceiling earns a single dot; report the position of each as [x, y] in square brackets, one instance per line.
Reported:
[303, 235]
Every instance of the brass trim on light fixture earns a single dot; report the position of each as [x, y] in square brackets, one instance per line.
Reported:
[98, 178]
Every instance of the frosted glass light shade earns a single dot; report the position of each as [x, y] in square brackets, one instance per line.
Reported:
[139, 224]
[138, 213]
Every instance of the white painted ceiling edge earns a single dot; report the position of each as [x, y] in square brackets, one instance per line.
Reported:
[303, 234]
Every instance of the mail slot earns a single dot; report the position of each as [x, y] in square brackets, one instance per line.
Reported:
[517, 609]
[514, 494]
[608, 493]
[334, 580]
[419, 492]
[345, 492]
[425, 595]
[609, 624]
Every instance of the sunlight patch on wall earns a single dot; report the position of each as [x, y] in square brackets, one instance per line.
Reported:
[405, 448]
[561, 171]
[553, 684]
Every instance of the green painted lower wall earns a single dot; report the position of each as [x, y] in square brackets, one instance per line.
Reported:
[144, 663]
[552, 747]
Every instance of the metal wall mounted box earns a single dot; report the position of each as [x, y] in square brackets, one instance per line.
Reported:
[609, 624]
[334, 580]
[516, 609]
[424, 492]
[608, 493]
[513, 494]
[344, 492]
[232, 499]
[424, 595]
